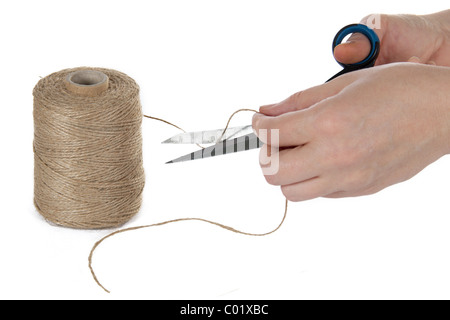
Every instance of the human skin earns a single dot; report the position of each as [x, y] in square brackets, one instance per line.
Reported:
[372, 128]
[402, 37]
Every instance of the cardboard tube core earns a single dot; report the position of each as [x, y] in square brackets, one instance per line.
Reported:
[89, 83]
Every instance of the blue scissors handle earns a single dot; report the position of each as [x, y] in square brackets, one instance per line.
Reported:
[369, 61]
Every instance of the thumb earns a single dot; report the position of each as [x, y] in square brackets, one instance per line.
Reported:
[356, 49]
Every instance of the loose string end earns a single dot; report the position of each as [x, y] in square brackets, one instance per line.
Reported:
[182, 219]
[173, 221]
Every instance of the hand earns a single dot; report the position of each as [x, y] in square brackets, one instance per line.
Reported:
[403, 38]
[361, 132]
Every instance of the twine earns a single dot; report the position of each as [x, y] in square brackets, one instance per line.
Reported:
[87, 149]
[91, 254]
[173, 221]
[88, 152]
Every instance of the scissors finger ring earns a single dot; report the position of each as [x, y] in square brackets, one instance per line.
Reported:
[367, 62]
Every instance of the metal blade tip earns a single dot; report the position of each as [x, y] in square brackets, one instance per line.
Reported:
[167, 141]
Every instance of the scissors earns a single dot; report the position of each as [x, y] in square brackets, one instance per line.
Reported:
[243, 138]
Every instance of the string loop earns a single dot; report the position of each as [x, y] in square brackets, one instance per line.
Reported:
[182, 219]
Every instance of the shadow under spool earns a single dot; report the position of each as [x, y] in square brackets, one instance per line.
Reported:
[88, 148]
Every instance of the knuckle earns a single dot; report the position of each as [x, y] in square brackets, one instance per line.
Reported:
[296, 99]
[345, 158]
[330, 123]
[359, 180]
[353, 183]
[354, 153]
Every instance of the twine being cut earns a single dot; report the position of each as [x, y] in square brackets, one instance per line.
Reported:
[88, 152]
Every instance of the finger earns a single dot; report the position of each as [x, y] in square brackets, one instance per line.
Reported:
[296, 128]
[354, 193]
[306, 98]
[287, 130]
[309, 189]
[266, 107]
[301, 100]
[294, 165]
[356, 49]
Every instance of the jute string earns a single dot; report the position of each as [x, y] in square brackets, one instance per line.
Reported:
[172, 221]
[88, 152]
[87, 148]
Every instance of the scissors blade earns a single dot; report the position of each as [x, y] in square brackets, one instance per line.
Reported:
[247, 142]
[208, 136]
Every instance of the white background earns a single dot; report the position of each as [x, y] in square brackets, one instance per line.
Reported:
[196, 62]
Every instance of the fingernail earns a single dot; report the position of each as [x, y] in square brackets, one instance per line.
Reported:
[267, 107]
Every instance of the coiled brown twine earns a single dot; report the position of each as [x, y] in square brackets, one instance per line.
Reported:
[88, 152]
[87, 148]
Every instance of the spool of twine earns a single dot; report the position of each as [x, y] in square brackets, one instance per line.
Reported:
[87, 148]
[88, 166]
